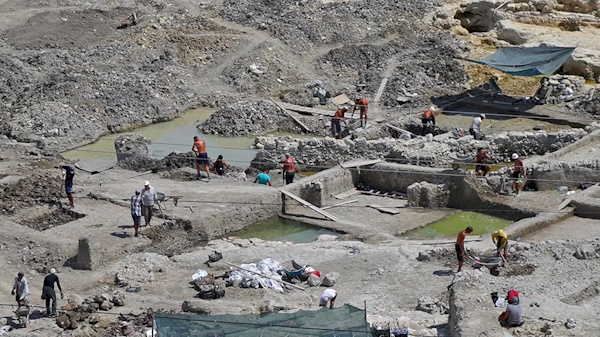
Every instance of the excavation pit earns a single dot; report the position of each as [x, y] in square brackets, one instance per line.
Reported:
[57, 217]
[279, 229]
[451, 225]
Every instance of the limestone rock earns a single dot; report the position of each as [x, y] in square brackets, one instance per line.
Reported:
[63, 321]
[106, 306]
[196, 306]
[432, 306]
[428, 195]
[478, 16]
[86, 254]
[313, 280]
[127, 146]
[512, 32]
[330, 279]
[585, 252]
[423, 257]
[570, 323]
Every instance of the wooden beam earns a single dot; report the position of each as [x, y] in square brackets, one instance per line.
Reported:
[450, 242]
[395, 128]
[339, 204]
[347, 194]
[304, 109]
[141, 174]
[259, 274]
[309, 205]
[359, 162]
[302, 126]
[382, 209]
[380, 91]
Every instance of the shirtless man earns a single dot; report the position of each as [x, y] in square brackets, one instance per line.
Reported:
[199, 149]
[460, 246]
[481, 158]
[519, 172]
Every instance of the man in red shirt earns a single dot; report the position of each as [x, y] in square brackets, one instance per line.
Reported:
[289, 169]
[336, 127]
[362, 104]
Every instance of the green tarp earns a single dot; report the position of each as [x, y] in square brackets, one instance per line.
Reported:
[345, 321]
[524, 61]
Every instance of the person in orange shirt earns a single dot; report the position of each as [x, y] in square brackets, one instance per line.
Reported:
[363, 105]
[336, 127]
[428, 116]
[199, 149]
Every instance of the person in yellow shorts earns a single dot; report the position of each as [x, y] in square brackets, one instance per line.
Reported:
[501, 240]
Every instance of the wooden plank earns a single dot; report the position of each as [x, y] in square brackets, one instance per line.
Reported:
[450, 242]
[359, 162]
[395, 128]
[564, 204]
[302, 126]
[304, 109]
[309, 205]
[141, 174]
[340, 99]
[376, 194]
[382, 209]
[380, 91]
[339, 204]
[265, 276]
[347, 194]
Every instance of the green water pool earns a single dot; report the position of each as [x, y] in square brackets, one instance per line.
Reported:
[279, 229]
[451, 225]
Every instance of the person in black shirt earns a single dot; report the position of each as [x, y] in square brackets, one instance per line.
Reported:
[48, 291]
[220, 165]
[69, 174]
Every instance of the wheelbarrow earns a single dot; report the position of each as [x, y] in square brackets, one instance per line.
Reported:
[492, 263]
[22, 312]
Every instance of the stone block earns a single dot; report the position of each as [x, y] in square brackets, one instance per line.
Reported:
[428, 195]
[86, 255]
[132, 145]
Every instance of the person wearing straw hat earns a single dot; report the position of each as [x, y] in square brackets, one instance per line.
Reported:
[48, 292]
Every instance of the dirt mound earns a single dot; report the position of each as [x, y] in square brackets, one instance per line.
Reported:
[66, 29]
[245, 118]
[35, 189]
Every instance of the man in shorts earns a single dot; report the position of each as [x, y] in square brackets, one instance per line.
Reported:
[460, 246]
[481, 158]
[69, 174]
[361, 104]
[519, 172]
[336, 127]
[136, 211]
[199, 149]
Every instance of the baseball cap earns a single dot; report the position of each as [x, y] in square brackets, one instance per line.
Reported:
[432, 108]
[52, 271]
[514, 156]
[146, 183]
[482, 116]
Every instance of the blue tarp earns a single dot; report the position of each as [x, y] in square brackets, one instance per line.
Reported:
[527, 61]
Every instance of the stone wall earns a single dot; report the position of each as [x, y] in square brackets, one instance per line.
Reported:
[324, 185]
[438, 151]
